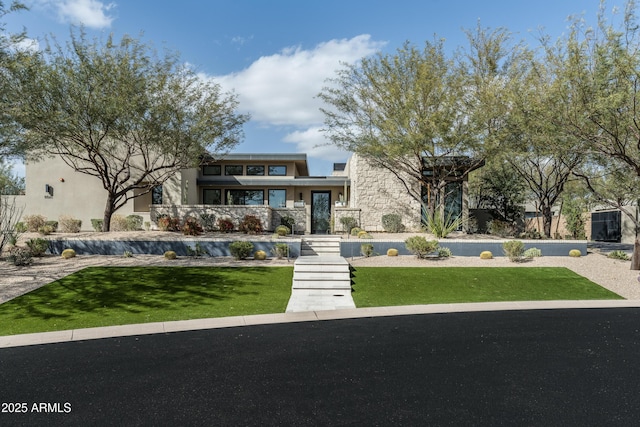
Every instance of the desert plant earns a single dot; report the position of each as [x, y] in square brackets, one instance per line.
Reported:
[197, 251]
[361, 233]
[134, 222]
[45, 230]
[444, 252]
[531, 235]
[288, 221]
[37, 246]
[366, 249]
[170, 255]
[34, 222]
[392, 223]
[127, 254]
[260, 255]
[147, 226]
[471, 225]
[191, 227]
[621, 255]
[514, 249]
[96, 224]
[68, 253]
[225, 225]
[19, 256]
[532, 253]
[68, 224]
[21, 227]
[486, 255]
[348, 223]
[118, 223]
[240, 249]
[282, 230]
[392, 252]
[420, 246]
[167, 223]
[251, 224]
[576, 253]
[438, 224]
[208, 222]
[364, 235]
[280, 250]
[356, 230]
[501, 228]
[53, 225]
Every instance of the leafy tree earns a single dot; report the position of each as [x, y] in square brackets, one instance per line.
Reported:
[10, 183]
[499, 188]
[117, 112]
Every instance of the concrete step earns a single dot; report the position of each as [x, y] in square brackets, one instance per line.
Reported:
[321, 275]
[322, 284]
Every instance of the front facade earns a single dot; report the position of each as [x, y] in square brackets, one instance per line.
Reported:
[274, 187]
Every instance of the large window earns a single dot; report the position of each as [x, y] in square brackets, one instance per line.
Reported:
[245, 197]
[211, 170]
[278, 198]
[211, 196]
[255, 170]
[156, 195]
[233, 169]
[277, 170]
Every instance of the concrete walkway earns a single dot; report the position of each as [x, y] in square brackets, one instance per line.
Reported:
[308, 316]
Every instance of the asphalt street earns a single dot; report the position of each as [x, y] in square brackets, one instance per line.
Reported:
[537, 367]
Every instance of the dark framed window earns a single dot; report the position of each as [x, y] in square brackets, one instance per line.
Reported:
[233, 169]
[211, 196]
[211, 170]
[245, 197]
[278, 170]
[278, 198]
[156, 195]
[255, 170]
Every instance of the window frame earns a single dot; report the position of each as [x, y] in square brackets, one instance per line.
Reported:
[277, 166]
[204, 170]
[227, 168]
[248, 167]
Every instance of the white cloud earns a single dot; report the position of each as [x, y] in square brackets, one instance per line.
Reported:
[90, 13]
[27, 45]
[313, 142]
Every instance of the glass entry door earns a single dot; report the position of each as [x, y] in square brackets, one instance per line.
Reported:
[320, 212]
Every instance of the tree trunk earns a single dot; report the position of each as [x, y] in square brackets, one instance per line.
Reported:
[108, 212]
[635, 258]
[547, 219]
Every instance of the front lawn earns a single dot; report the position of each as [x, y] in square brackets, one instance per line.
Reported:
[389, 286]
[105, 296]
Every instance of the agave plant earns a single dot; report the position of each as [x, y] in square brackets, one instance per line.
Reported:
[439, 224]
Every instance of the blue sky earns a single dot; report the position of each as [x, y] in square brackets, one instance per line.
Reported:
[277, 54]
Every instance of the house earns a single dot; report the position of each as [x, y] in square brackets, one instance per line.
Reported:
[274, 187]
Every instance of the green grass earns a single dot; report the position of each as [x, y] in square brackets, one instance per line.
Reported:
[104, 296]
[384, 286]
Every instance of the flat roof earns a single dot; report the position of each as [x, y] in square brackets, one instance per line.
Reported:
[306, 181]
[300, 159]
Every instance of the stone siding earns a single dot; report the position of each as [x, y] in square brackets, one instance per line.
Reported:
[343, 213]
[298, 214]
[235, 213]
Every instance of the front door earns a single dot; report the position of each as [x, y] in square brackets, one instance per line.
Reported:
[320, 212]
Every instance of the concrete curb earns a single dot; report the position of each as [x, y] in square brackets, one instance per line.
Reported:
[310, 316]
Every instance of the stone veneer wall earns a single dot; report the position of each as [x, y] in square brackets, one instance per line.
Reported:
[342, 213]
[299, 214]
[235, 213]
[376, 192]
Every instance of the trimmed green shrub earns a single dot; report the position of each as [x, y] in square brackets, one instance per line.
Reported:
[34, 222]
[191, 227]
[392, 223]
[53, 225]
[576, 253]
[45, 230]
[361, 233]
[251, 224]
[366, 249]
[118, 223]
[197, 251]
[621, 255]
[38, 246]
[68, 224]
[486, 255]
[147, 225]
[514, 249]
[280, 250]
[392, 252]
[68, 253]
[288, 221]
[208, 222]
[170, 255]
[282, 230]
[127, 254]
[532, 253]
[97, 224]
[364, 235]
[348, 223]
[225, 225]
[19, 256]
[419, 246]
[355, 231]
[240, 249]
[444, 252]
[134, 222]
[260, 255]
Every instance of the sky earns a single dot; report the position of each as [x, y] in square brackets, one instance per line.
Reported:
[276, 55]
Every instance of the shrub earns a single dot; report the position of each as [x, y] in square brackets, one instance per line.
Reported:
[356, 230]
[127, 254]
[282, 230]
[37, 246]
[19, 256]
[191, 227]
[621, 255]
[532, 253]
[438, 224]
[147, 225]
[361, 233]
[68, 253]
[501, 228]
[170, 255]
[225, 225]
[514, 249]
[167, 223]
[240, 249]
[260, 255]
[53, 225]
[251, 224]
[34, 222]
[288, 221]
[364, 235]
[392, 252]
[531, 235]
[486, 255]
[419, 246]
[280, 250]
[348, 223]
[118, 223]
[69, 224]
[134, 222]
[21, 227]
[97, 224]
[471, 225]
[576, 253]
[444, 252]
[208, 222]
[197, 251]
[392, 223]
[45, 230]
[366, 249]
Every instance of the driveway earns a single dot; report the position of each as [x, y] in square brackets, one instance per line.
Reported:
[536, 367]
